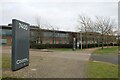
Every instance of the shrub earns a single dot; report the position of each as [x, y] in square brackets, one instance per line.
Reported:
[46, 46]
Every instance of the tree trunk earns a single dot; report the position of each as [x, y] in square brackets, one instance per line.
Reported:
[86, 41]
[98, 41]
[94, 41]
[102, 41]
[107, 42]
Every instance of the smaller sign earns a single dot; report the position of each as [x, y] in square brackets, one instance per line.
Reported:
[78, 44]
[74, 44]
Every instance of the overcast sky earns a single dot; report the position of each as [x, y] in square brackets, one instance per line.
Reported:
[62, 13]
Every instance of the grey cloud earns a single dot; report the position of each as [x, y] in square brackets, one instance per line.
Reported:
[63, 14]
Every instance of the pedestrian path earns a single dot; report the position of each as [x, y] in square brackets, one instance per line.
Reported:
[105, 58]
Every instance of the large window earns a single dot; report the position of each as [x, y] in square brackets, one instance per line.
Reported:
[3, 41]
[65, 41]
[47, 34]
[54, 34]
[84, 42]
[6, 32]
[47, 41]
[54, 41]
[60, 41]
[62, 35]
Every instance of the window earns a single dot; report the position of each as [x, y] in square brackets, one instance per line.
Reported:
[44, 34]
[88, 42]
[61, 35]
[56, 34]
[4, 41]
[60, 41]
[47, 41]
[6, 32]
[92, 42]
[84, 42]
[65, 41]
[54, 41]
[47, 34]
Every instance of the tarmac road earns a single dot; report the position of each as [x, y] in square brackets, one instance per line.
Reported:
[110, 58]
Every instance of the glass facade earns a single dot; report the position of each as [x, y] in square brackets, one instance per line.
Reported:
[54, 34]
[63, 35]
[47, 34]
[4, 41]
[60, 41]
[47, 41]
[6, 32]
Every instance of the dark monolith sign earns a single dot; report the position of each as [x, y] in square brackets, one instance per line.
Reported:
[20, 44]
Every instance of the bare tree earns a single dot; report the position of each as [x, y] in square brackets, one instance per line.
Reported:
[113, 36]
[38, 30]
[86, 25]
[54, 29]
[93, 30]
[104, 26]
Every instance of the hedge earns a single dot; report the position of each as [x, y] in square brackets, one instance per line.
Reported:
[46, 46]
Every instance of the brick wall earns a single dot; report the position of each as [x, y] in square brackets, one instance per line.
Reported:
[9, 40]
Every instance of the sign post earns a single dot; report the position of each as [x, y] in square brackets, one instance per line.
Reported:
[74, 44]
[20, 44]
[78, 45]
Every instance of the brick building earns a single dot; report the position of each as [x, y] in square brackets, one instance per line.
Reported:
[43, 36]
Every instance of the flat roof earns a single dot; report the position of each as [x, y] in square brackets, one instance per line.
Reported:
[35, 28]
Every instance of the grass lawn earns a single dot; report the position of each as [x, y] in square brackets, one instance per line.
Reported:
[6, 61]
[0, 67]
[6, 64]
[109, 50]
[63, 49]
[102, 70]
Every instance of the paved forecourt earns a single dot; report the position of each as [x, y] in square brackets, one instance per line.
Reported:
[52, 64]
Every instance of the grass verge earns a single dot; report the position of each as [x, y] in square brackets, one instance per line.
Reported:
[6, 61]
[6, 64]
[102, 70]
[109, 50]
[63, 49]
